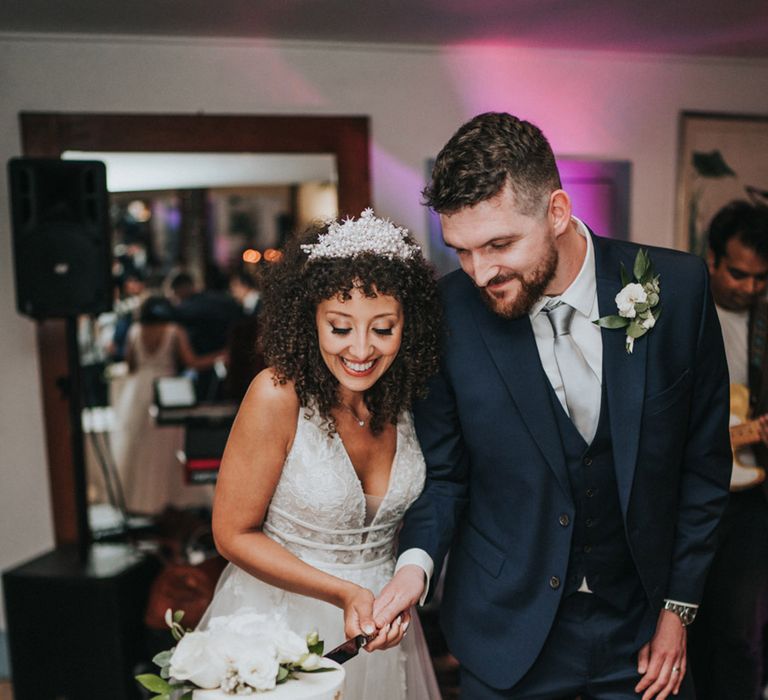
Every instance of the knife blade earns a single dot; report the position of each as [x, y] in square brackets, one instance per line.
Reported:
[347, 650]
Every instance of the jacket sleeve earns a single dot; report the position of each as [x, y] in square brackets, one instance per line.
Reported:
[706, 464]
[430, 522]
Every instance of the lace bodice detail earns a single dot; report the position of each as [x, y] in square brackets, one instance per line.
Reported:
[318, 510]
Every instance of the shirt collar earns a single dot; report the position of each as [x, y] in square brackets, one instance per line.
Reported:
[580, 294]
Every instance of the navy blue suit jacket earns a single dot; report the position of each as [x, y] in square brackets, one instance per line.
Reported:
[497, 482]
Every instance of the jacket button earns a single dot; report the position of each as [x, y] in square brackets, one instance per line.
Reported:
[554, 582]
[564, 520]
[587, 461]
[589, 522]
[590, 493]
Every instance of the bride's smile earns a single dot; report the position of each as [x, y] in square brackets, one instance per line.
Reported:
[359, 337]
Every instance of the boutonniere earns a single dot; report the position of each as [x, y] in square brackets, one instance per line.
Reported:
[637, 302]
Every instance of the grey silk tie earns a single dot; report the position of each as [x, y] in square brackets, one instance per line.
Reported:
[581, 385]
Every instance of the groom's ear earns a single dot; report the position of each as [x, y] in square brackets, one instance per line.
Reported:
[559, 211]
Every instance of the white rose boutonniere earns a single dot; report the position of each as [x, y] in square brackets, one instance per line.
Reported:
[637, 302]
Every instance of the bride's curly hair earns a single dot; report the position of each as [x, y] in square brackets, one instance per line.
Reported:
[293, 288]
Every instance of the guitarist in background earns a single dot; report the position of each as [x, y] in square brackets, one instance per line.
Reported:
[726, 640]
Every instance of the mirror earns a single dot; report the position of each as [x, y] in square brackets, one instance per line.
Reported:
[50, 135]
[217, 217]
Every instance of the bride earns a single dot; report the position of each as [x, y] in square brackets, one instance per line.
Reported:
[322, 460]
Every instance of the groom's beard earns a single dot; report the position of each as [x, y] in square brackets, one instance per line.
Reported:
[531, 288]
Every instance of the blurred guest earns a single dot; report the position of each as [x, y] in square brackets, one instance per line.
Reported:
[207, 316]
[243, 288]
[727, 637]
[145, 454]
[245, 358]
[132, 293]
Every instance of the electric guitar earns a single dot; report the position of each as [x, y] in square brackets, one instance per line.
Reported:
[745, 432]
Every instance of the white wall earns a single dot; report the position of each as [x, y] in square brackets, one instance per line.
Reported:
[598, 105]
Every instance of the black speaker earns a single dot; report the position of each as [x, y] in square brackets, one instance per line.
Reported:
[61, 237]
[75, 628]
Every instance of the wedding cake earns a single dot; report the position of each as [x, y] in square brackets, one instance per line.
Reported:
[244, 654]
[306, 686]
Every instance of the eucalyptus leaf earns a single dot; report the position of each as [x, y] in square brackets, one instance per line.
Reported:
[653, 299]
[163, 658]
[187, 695]
[612, 322]
[635, 330]
[154, 683]
[317, 648]
[282, 673]
[642, 306]
[165, 672]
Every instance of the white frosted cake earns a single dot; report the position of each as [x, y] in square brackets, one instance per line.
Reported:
[306, 686]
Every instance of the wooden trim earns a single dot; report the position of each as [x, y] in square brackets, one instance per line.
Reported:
[48, 135]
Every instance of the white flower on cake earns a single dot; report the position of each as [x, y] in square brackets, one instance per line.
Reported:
[239, 654]
[193, 661]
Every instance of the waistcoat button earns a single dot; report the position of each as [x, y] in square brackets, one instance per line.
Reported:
[554, 582]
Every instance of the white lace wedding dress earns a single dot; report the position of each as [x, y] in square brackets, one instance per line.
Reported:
[320, 513]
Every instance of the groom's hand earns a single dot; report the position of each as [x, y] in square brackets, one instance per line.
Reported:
[662, 662]
[403, 591]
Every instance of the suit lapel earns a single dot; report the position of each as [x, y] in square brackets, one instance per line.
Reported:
[513, 348]
[623, 373]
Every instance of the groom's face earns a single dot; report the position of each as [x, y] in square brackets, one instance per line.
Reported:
[510, 256]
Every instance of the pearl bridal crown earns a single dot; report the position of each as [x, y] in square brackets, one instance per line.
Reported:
[368, 234]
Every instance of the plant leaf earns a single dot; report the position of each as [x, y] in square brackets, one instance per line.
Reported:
[321, 669]
[612, 322]
[163, 658]
[624, 276]
[635, 330]
[178, 616]
[317, 648]
[154, 683]
[711, 164]
[641, 264]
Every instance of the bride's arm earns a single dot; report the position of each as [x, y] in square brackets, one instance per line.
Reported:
[256, 450]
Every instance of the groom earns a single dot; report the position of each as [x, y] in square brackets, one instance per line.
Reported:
[577, 474]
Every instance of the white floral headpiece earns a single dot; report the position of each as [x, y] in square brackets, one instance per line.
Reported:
[368, 234]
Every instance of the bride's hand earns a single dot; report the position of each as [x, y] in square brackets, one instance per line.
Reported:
[358, 612]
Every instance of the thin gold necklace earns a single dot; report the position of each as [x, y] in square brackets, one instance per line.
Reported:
[359, 420]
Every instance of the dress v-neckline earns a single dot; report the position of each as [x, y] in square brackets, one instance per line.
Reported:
[358, 481]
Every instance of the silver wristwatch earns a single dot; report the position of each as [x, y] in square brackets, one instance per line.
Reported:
[686, 613]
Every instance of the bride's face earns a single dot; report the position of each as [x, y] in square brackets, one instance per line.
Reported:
[359, 338]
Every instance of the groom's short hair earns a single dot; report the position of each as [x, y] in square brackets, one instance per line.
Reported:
[488, 152]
